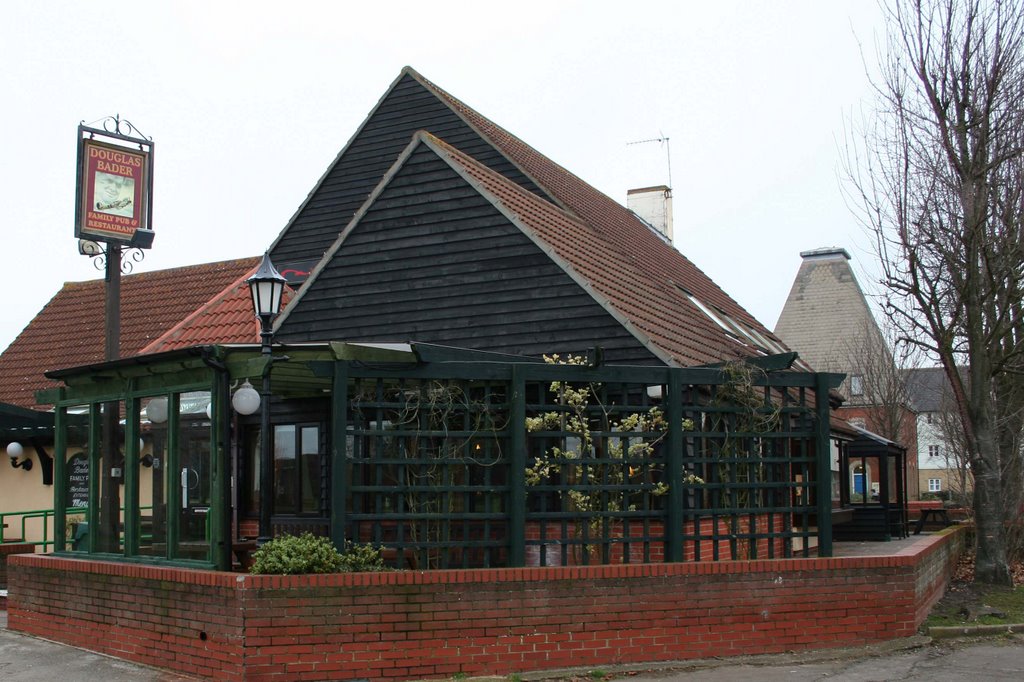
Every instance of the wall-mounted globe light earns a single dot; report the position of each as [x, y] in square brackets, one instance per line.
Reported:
[14, 451]
[156, 410]
[246, 399]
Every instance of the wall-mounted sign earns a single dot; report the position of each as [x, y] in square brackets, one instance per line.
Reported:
[114, 187]
[78, 481]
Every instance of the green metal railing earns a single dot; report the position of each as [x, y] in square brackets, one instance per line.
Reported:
[27, 521]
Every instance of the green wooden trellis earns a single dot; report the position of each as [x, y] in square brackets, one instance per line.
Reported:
[445, 487]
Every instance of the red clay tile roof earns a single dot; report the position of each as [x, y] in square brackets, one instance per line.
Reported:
[69, 330]
[227, 318]
[664, 267]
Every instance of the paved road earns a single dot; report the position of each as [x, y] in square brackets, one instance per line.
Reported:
[991, 658]
[28, 659]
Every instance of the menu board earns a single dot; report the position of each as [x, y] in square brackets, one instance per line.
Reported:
[78, 481]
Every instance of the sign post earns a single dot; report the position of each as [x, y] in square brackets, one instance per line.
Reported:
[113, 207]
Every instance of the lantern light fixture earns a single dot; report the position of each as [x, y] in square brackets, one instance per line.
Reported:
[266, 287]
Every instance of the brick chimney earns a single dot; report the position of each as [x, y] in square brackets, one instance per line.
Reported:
[654, 206]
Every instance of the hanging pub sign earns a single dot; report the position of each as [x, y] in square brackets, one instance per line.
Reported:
[115, 182]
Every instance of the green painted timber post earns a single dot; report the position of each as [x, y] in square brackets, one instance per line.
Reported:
[517, 473]
[674, 467]
[339, 453]
[823, 476]
[173, 490]
[95, 421]
[131, 475]
[60, 478]
[220, 509]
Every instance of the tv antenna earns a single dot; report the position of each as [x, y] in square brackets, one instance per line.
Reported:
[668, 154]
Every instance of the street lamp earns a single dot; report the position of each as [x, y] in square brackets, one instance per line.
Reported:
[266, 287]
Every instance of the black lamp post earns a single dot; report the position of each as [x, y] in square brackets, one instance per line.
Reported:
[266, 287]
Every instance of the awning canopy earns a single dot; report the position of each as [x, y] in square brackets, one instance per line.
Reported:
[19, 423]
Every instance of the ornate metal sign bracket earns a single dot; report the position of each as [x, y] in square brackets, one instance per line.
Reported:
[115, 126]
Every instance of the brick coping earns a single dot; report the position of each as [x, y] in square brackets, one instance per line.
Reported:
[906, 556]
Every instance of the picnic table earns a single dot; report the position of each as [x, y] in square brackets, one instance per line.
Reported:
[936, 514]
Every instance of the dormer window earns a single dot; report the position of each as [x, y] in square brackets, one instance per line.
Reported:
[735, 330]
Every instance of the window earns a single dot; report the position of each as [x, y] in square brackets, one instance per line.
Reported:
[299, 469]
[857, 385]
[929, 417]
[296, 469]
[934, 485]
[933, 451]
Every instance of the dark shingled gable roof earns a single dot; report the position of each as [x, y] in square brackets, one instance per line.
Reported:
[641, 276]
[611, 220]
[69, 330]
[656, 312]
[928, 388]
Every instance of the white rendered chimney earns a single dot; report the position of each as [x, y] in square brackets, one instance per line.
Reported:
[654, 206]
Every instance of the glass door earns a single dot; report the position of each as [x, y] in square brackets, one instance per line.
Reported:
[193, 477]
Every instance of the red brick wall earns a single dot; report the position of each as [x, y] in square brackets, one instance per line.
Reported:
[711, 541]
[405, 625]
[248, 528]
[7, 550]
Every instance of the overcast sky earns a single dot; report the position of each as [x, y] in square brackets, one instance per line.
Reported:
[249, 102]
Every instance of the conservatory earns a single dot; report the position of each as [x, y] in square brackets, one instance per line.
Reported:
[443, 457]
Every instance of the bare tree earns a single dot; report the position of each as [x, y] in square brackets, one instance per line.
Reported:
[869, 355]
[954, 451]
[938, 176]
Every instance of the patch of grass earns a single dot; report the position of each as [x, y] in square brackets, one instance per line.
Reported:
[958, 607]
[597, 674]
[515, 677]
[965, 601]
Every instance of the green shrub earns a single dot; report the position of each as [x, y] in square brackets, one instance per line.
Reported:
[360, 558]
[295, 554]
[308, 553]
